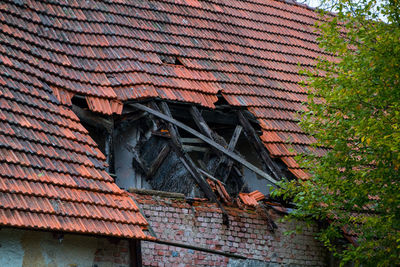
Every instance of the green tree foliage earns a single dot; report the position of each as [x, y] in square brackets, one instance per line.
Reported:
[356, 186]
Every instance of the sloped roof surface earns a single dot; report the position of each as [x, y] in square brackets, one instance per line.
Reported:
[110, 51]
[52, 175]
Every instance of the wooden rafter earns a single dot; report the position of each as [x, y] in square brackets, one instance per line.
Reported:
[158, 161]
[259, 146]
[93, 119]
[223, 159]
[207, 140]
[189, 164]
[206, 130]
[227, 161]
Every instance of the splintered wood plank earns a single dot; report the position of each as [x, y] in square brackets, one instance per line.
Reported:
[188, 148]
[209, 141]
[158, 161]
[192, 141]
[189, 164]
[231, 147]
[201, 123]
[259, 146]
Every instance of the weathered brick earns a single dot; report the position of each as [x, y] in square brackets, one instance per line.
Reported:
[247, 235]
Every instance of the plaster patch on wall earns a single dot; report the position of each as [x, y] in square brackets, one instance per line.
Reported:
[22, 248]
[11, 251]
[33, 256]
[72, 251]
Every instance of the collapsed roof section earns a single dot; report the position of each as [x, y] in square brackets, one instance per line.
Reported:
[52, 175]
[173, 147]
[189, 51]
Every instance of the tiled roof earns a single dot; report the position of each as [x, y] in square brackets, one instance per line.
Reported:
[52, 174]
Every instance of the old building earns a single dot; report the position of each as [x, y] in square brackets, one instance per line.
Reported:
[151, 132]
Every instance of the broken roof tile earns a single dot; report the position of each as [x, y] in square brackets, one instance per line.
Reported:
[247, 53]
[257, 195]
[247, 199]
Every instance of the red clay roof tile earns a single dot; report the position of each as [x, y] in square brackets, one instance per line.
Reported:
[111, 52]
[247, 199]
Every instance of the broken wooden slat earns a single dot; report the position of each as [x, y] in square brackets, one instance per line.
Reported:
[188, 148]
[201, 123]
[192, 140]
[158, 161]
[209, 141]
[206, 130]
[259, 146]
[235, 137]
[186, 160]
[189, 164]
[209, 176]
[93, 119]
[231, 147]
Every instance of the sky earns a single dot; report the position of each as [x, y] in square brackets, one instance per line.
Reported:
[316, 3]
[312, 3]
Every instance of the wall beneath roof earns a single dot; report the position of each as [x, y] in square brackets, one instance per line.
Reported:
[200, 224]
[39, 249]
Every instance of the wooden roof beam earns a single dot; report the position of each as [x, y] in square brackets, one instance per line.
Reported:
[259, 146]
[189, 164]
[207, 140]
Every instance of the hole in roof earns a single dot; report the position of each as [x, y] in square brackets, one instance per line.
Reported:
[171, 60]
[79, 101]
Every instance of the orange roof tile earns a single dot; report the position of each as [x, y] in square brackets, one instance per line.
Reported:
[257, 195]
[247, 199]
[52, 175]
[110, 51]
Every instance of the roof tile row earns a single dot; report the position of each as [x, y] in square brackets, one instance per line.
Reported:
[111, 51]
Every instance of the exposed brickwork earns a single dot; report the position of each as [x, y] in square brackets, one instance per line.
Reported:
[115, 254]
[201, 225]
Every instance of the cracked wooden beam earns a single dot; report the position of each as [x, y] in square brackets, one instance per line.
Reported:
[259, 146]
[155, 165]
[189, 164]
[93, 119]
[201, 123]
[206, 130]
[223, 161]
[231, 147]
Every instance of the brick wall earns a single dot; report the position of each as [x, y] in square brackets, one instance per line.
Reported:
[112, 254]
[200, 224]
